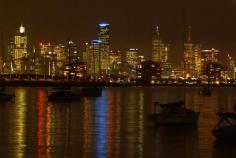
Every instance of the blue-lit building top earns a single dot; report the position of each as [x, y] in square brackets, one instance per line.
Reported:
[96, 42]
[104, 24]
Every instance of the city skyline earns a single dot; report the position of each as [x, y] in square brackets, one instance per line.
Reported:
[212, 25]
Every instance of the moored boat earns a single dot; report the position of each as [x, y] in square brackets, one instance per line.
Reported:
[6, 97]
[206, 91]
[63, 96]
[174, 113]
[225, 130]
[92, 91]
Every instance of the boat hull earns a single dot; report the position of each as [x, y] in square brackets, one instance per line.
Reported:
[92, 92]
[64, 96]
[184, 119]
[6, 97]
[225, 133]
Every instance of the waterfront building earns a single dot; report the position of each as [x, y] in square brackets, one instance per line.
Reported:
[47, 59]
[115, 57]
[92, 58]
[230, 66]
[197, 61]
[19, 52]
[132, 57]
[189, 56]
[104, 37]
[148, 72]
[160, 53]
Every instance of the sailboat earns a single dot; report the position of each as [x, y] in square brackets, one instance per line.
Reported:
[225, 130]
[174, 112]
[65, 94]
[4, 96]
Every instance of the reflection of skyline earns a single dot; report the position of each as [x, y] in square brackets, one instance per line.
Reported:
[113, 125]
[100, 118]
[19, 117]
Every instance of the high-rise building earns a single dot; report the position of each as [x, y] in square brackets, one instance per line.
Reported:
[47, 58]
[92, 58]
[20, 50]
[231, 66]
[132, 57]
[115, 57]
[160, 50]
[160, 53]
[189, 55]
[104, 37]
[209, 64]
[197, 60]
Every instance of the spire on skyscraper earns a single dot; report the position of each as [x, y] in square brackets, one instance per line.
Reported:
[158, 32]
[189, 34]
[22, 28]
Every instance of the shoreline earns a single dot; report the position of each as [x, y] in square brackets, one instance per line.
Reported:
[97, 84]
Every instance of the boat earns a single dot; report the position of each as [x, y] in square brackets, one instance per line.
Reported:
[65, 93]
[173, 113]
[64, 96]
[92, 91]
[4, 96]
[225, 129]
[206, 91]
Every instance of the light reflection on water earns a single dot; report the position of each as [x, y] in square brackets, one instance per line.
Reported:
[114, 125]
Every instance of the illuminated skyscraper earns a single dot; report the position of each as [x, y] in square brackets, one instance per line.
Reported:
[104, 37]
[231, 66]
[160, 53]
[92, 58]
[48, 58]
[20, 50]
[189, 55]
[159, 49]
[197, 60]
[210, 66]
[132, 57]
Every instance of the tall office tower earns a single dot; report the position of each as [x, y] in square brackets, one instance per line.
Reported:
[114, 56]
[132, 57]
[198, 60]
[74, 55]
[189, 55]
[210, 55]
[159, 49]
[20, 50]
[104, 37]
[92, 58]
[209, 64]
[48, 59]
[59, 49]
[231, 66]
[160, 53]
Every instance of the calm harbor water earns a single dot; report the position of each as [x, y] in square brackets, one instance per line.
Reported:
[112, 126]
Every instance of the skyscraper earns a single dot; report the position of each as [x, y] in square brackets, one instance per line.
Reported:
[132, 57]
[92, 58]
[160, 53]
[189, 55]
[20, 50]
[104, 37]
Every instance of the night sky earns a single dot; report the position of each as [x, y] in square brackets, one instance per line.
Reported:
[133, 22]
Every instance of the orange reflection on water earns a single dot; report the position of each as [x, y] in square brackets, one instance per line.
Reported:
[40, 122]
[44, 141]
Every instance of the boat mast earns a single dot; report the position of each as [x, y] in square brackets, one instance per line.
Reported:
[3, 55]
[183, 49]
[69, 64]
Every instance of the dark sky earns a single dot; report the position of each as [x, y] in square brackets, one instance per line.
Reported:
[132, 21]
